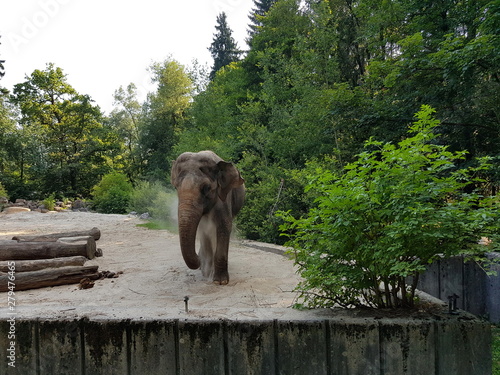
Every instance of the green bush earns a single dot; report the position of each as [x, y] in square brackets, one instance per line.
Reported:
[153, 198]
[50, 202]
[3, 192]
[496, 349]
[392, 212]
[268, 189]
[112, 194]
[276, 191]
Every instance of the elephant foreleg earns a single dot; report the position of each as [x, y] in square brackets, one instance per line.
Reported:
[206, 233]
[221, 274]
[206, 257]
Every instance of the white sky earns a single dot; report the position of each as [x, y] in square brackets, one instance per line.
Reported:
[104, 44]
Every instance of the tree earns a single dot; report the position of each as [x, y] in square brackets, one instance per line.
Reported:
[393, 211]
[200, 76]
[65, 132]
[125, 119]
[224, 49]
[321, 77]
[8, 136]
[259, 11]
[453, 51]
[163, 118]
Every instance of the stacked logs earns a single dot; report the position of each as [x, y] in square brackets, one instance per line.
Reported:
[48, 260]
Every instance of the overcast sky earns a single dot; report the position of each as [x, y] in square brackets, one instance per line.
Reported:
[104, 44]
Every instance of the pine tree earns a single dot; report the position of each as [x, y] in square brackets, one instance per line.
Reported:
[260, 10]
[224, 49]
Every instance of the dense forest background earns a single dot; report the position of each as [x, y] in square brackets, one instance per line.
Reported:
[317, 79]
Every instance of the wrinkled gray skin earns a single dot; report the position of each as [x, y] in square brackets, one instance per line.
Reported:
[211, 192]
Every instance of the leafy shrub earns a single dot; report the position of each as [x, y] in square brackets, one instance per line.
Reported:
[257, 220]
[112, 194]
[153, 198]
[392, 212]
[3, 192]
[268, 190]
[3, 196]
[50, 202]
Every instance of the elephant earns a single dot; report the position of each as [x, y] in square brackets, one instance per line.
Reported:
[211, 192]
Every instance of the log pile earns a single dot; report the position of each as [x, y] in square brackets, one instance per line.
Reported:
[49, 260]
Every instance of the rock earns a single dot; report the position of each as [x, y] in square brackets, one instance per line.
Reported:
[145, 216]
[32, 205]
[13, 210]
[84, 209]
[77, 204]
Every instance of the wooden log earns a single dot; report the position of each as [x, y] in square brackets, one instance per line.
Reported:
[94, 232]
[39, 264]
[45, 250]
[48, 277]
[82, 239]
[79, 239]
[5, 242]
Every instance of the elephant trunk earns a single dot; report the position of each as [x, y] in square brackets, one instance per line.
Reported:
[189, 218]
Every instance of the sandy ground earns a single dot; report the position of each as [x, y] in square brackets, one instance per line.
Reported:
[155, 279]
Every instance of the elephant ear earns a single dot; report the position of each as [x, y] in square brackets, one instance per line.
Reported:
[228, 178]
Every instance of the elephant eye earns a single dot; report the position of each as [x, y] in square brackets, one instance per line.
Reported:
[205, 189]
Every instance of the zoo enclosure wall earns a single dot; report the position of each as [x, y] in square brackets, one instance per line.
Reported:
[447, 344]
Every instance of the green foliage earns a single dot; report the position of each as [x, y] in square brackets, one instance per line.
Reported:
[163, 117]
[112, 194]
[256, 221]
[393, 211]
[322, 77]
[155, 199]
[261, 7]
[125, 121]
[496, 350]
[215, 115]
[50, 203]
[268, 190]
[62, 145]
[318, 80]
[3, 192]
[157, 225]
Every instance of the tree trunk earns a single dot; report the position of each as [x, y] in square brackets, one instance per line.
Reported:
[39, 264]
[94, 232]
[48, 277]
[44, 250]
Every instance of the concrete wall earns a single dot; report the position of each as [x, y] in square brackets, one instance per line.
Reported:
[336, 345]
[478, 293]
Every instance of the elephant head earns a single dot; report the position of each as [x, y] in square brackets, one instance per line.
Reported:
[205, 184]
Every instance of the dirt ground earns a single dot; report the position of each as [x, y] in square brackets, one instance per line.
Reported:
[155, 279]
